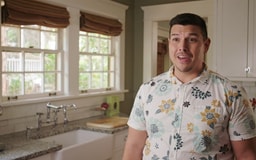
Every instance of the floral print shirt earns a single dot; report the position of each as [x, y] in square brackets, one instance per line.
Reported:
[194, 120]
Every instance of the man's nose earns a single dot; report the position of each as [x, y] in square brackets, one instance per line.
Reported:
[183, 46]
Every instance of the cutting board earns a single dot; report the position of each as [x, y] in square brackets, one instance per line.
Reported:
[108, 122]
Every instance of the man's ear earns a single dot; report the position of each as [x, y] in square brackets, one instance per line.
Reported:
[207, 43]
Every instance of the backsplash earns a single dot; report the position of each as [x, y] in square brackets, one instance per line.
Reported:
[18, 118]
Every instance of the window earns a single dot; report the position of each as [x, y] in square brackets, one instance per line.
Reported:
[41, 57]
[30, 61]
[96, 62]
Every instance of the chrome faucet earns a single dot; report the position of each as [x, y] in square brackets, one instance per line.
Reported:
[55, 109]
[49, 107]
[55, 118]
[65, 111]
[39, 121]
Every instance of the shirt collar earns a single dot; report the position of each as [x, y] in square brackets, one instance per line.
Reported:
[202, 77]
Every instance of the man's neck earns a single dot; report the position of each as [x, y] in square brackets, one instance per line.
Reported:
[185, 77]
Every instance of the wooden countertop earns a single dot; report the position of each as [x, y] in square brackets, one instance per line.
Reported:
[108, 122]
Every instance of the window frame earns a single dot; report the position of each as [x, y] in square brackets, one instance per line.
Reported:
[58, 51]
[112, 54]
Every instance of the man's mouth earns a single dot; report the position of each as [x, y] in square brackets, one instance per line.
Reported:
[184, 57]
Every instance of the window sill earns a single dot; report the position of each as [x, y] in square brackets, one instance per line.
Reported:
[63, 97]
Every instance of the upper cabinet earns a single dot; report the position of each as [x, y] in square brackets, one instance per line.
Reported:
[236, 39]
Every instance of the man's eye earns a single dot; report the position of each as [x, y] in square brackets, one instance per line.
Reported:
[192, 40]
[175, 39]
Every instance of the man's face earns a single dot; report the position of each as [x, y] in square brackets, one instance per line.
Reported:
[187, 48]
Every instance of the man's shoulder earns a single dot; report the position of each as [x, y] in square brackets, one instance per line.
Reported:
[216, 75]
[219, 78]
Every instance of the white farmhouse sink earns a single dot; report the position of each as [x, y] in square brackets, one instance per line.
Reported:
[82, 145]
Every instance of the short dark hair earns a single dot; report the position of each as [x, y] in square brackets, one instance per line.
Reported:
[190, 19]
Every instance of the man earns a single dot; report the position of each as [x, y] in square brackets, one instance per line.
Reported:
[189, 112]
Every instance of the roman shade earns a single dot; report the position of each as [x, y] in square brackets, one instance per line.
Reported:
[31, 12]
[98, 24]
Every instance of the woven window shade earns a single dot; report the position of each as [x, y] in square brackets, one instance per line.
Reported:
[31, 12]
[97, 24]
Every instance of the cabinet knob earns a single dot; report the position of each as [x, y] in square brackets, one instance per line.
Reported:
[247, 69]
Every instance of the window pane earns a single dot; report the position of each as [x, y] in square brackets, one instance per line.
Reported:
[96, 80]
[30, 38]
[84, 81]
[33, 83]
[50, 62]
[49, 40]
[50, 82]
[33, 62]
[83, 44]
[10, 36]
[12, 84]
[93, 45]
[84, 63]
[105, 80]
[105, 46]
[105, 63]
[97, 63]
[12, 62]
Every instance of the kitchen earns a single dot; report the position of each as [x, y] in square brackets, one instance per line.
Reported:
[138, 32]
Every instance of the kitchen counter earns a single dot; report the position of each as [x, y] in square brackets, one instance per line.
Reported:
[19, 147]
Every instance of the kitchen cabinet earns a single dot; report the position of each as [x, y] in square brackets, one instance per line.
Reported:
[119, 143]
[236, 39]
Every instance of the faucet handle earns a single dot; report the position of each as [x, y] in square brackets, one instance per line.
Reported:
[68, 106]
[74, 106]
[39, 114]
[28, 131]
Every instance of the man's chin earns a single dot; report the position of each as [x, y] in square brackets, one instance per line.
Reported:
[183, 69]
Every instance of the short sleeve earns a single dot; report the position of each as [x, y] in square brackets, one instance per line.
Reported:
[137, 118]
[242, 124]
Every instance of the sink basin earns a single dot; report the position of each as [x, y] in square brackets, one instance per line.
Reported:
[82, 145]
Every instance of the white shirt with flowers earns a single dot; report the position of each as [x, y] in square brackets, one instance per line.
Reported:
[192, 121]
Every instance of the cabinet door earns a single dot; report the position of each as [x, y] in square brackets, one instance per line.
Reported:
[252, 39]
[232, 37]
[119, 143]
